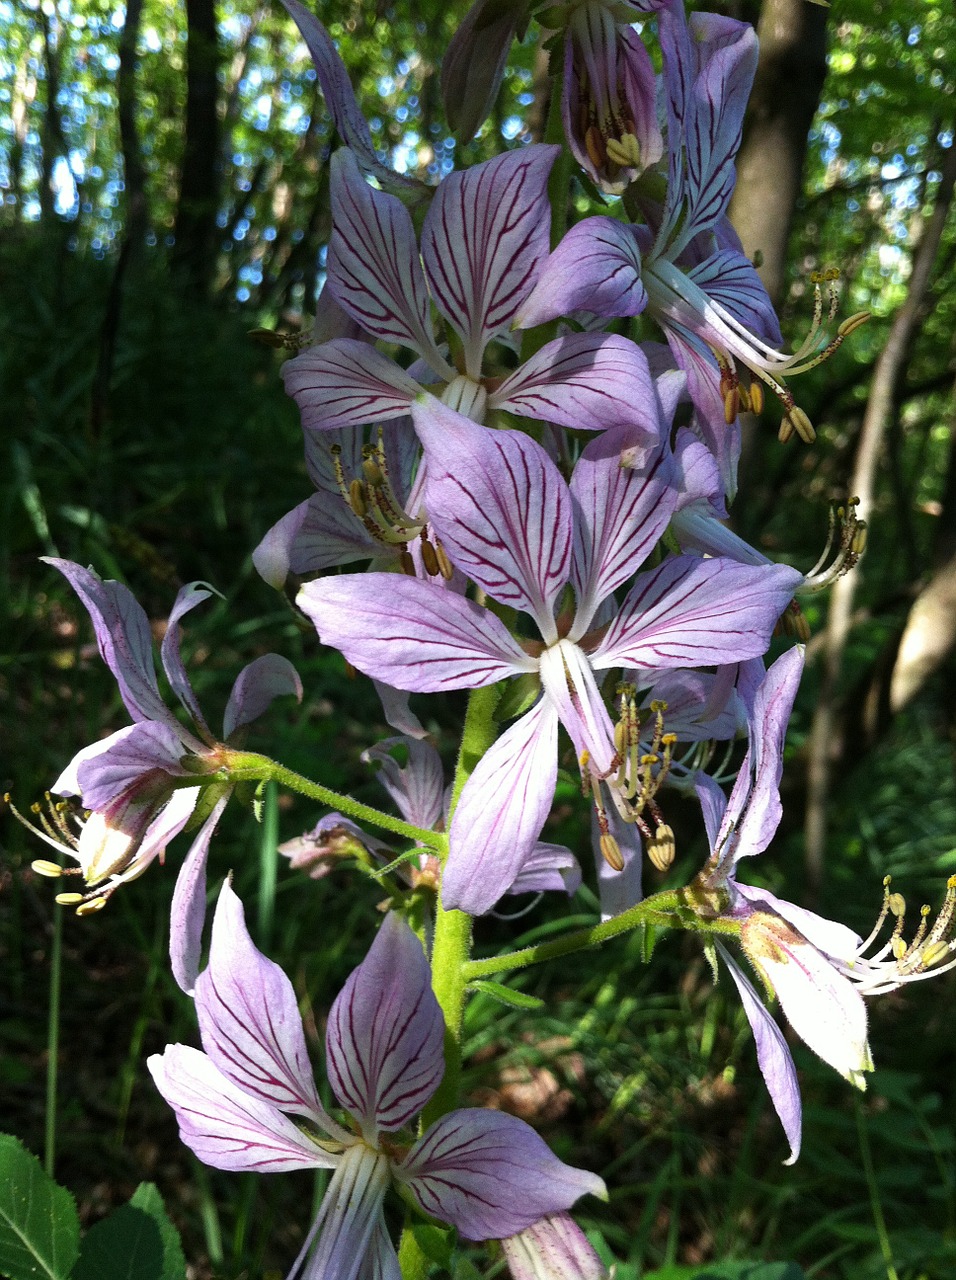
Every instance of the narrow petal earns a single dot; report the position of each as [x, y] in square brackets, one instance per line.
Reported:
[340, 99]
[317, 534]
[373, 265]
[555, 1248]
[773, 1057]
[385, 1033]
[548, 868]
[397, 712]
[484, 236]
[620, 515]
[589, 381]
[571, 688]
[345, 383]
[249, 1019]
[596, 267]
[418, 789]
[188, 912]
[257, 684]
[500, 507]
[349, 1226]
[187, 598]
[829, 936]
[124, 639]
[691, 612]
[474, 64]
[502, 809]
[102, 771]
[490, 1175]
[412, 634]
[730, 278]
[225, 1127]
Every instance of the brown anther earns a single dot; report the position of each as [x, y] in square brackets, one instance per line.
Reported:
[756, 397]
[429, 558]
[611, 852]
[662, 848]
[358, 498]
[851, 323]
[445, 566]
[731, 405]
[406, 563]
[594, 145]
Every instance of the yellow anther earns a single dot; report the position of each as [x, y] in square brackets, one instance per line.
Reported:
[756, 397]
[801, 424]
[611, 852]
[899, 947]
[624, 151]
[584, 759]
[358, 498]
[851, 323]
[658, 706]
[620, 737]
[92, 904]
[68, 899]
[887, 881]
[785, 430]
[373, 472]
[731, 405]
[445, 567]
[934, 953]
[669, 740]
[897, 904]
[44, 868]
[593, 145]
[661, 849]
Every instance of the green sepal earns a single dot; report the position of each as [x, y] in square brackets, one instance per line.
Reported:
[505, 995]
[519, 696]
[39, 1225]
[648, 936]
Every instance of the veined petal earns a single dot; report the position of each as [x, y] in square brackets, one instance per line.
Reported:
[350, 1223]
[730, 278]
[548, 867]
[596, 267]
[249, 1020]
[385, 1033]
[418, 789]
[345, 383]
[773, 1057]
[691, 612]
[490, 1175]
[829, 936]
[824, 1008]
[501, 811]
[703, 386]
[570, 687]
[500, 507]
[257, 684]
[373, 265]
[484, 236]
[555, 1248]
[589, 381]
[620, 515]
[187, 598]
[340, 100]
[412, 634]
[124, 639]
[104, 770]
[188, 912]
[317, 534]
[225, 1127]
[618, 890]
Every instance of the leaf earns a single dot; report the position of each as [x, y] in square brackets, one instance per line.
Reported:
[436, 1243]
[39, 1227]
[505, 995]
[731, 1271]
[136, 1242]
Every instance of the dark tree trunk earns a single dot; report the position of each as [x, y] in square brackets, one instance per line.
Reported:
[195, 228]
[134, 176]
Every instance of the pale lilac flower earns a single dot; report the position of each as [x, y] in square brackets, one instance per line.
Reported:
[553, 1249]
[510, 521]
[137, 784]
[483, 1172]
[483, 240]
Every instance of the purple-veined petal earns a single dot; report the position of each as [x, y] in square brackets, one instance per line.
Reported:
[169, 821]
[257, 684]
[596, 267]
[249, 1020]
[474, 63]
[490, 1175]
[554, 1248]
[697, 361]
[188, 912]
[570, 687]
[373, 265]
[418, 789]
[349, 1225]
[317, 534]
[345, 383]
[696, 474]
[824, 1008]
[385, 1033]
[548, 868]
[412, 634]
[754, 809]
[188, 597]
[730, 278]
[225, 1127]
[620, 514]
[501, 509]
[691, 612]
[589, 381]
[124, 639]
[484, 236]
[340, 100]
[829, 936]
[773, 1057]
[700, 532]
[397, 712]
[713, 804]
[501, 811]
[103, 770]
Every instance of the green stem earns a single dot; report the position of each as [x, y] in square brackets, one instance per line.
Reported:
[870, 1173]
[247, 766]
[53, 1041]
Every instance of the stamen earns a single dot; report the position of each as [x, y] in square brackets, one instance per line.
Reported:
[898, 962]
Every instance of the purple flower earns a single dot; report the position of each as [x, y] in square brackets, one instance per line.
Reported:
[483, 240]
[507, 518]
[553, 1249]
[137, 784]
[485, 1173]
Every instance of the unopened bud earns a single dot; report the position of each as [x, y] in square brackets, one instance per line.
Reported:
[757, 259]
[611, 852]
[661, 849]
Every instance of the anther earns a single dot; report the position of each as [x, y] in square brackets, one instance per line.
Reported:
[611, 851]
[445, 566]
[662, 848]
[358, 498]
[852, 323]
[44, 868]
[68, 899]
[429, 558]
[92, 904]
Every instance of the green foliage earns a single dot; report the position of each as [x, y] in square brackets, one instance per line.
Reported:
[39, 1227]
[136, 1242]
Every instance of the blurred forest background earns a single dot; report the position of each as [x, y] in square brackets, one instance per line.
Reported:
[163, 175]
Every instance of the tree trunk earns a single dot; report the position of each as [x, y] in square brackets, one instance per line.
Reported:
[134, 176]
[786, 93]
[195, 227]
[825, 747]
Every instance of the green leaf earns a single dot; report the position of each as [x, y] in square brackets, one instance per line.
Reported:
[436, 1243]
[505, 995]
[731, 1271]
[39, 1227]
[137, 1242]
